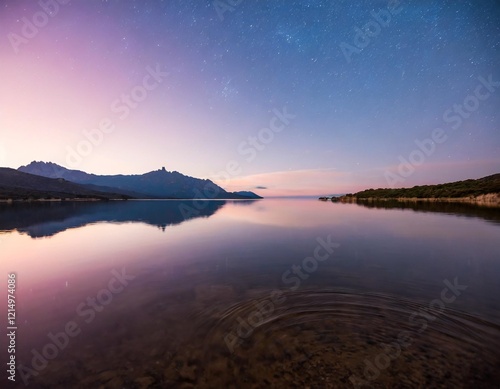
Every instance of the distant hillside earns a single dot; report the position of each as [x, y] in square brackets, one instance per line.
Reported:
[467, 188]
[248, 194]
[155, 184]
[17, 185]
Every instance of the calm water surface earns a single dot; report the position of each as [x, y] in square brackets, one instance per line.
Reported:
[258, 294]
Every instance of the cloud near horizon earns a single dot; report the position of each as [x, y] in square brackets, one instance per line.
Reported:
[317, 182]
[306, 182]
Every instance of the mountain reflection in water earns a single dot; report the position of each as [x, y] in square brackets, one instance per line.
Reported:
[216, 300]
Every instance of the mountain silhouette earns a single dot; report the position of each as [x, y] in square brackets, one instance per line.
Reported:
[17, 185]
[160, 184]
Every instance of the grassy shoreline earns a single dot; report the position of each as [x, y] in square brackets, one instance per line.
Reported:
[483, 191]
[488, 200]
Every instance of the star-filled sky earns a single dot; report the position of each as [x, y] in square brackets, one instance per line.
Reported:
[280, 97]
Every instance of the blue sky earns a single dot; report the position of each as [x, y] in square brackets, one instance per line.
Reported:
[360, 82]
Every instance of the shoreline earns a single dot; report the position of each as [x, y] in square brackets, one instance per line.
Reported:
[487, 200]
[11, 201]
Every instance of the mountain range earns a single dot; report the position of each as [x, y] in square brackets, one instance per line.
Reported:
[17, 185]
[49, 180]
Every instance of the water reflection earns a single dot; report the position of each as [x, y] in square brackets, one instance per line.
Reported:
[47, 219]
[213, 277]
[463, 209]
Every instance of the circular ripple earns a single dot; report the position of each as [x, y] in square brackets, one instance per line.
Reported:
[342, 335]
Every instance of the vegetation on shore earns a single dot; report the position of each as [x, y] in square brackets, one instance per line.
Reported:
[483, 191]
[459, 189]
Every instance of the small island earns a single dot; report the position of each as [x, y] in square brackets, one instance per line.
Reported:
[484, 191]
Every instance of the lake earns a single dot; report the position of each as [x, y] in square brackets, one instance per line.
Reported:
[279, 293]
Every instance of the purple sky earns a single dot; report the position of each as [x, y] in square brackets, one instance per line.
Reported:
[299, 97]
